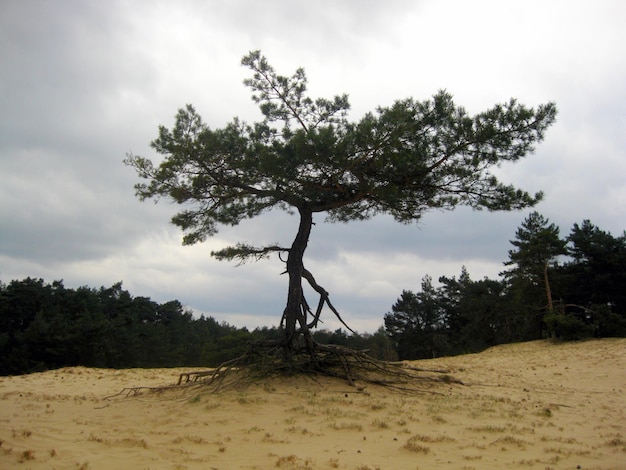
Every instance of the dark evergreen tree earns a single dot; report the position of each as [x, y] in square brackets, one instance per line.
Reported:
[44, 326]
[21, 323]
[305, 157]
[417, 325]
[476, 312]
[381, 346]
[596, 279]
[537, 247]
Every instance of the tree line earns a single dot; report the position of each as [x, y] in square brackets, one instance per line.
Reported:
[47, 325]
[569, 288]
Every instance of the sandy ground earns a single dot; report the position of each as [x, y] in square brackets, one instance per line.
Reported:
[534, 405]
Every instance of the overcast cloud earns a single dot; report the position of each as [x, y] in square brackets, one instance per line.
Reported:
[83, 83]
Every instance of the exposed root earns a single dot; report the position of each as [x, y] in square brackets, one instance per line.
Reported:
[267, 361]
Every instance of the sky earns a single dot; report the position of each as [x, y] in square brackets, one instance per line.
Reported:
[84, 83]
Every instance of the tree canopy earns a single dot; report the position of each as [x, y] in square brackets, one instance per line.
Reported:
[305, 156]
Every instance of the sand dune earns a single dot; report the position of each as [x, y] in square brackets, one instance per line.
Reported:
[538, 405]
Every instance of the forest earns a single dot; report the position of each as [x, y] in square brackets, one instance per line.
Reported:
[47, 325]
[569, 288]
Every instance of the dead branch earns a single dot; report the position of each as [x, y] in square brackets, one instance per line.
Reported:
[306, 274]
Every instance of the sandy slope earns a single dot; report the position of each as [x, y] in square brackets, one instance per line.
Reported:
[535, 405]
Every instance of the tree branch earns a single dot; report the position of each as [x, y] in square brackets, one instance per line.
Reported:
[306, 274]
[244, 253]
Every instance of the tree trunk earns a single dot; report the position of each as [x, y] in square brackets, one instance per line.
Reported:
[546, 281]
[294, 314]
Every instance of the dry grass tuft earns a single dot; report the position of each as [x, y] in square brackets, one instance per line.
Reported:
[23, 433]
[413, 445]
[616, 442]
[346, 426]
[487, 428]
[380, 424]
[432, 439]
[126, 442]
[293, 462]
[269, 438]
[26, 455]
[510, 440]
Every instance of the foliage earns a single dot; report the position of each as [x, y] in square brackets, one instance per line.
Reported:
[417, 323]
[568, 327]
[537, 243]
[476, 312]
[306, 157]
[459, 316]
[463, 315]
[46, 326]
[537, 246]
[595, 272]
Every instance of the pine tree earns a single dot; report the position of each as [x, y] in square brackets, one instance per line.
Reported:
[307, 158]
[537, 246]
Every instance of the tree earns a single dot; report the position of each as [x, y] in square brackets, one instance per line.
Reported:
[306, 157]
[598, 260]
[537, 246]
[596, 278]
[476, 313]
[417, 324]
[45, 326]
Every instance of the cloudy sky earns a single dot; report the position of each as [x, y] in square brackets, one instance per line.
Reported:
[83, 83]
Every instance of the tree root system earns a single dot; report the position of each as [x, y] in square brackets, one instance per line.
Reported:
[265, 362]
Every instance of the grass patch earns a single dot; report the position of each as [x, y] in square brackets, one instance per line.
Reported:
[380, 424]
[432, 439]
[345, 426]
[414, 444]
[565, 452]
[270, 439]
[616, 442]
[26, 456]
[510, 440]
[487, 428]
[127, 442]
[192, 439]
[297, 430]
[293, 462]
[545, 413]
[377, 406]
[22, 433]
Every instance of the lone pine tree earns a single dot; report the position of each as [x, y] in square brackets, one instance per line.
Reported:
[306, 157]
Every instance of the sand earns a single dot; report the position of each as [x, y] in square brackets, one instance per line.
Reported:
[537, 405]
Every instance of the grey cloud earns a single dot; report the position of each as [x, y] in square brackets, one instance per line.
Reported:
[65, 195]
